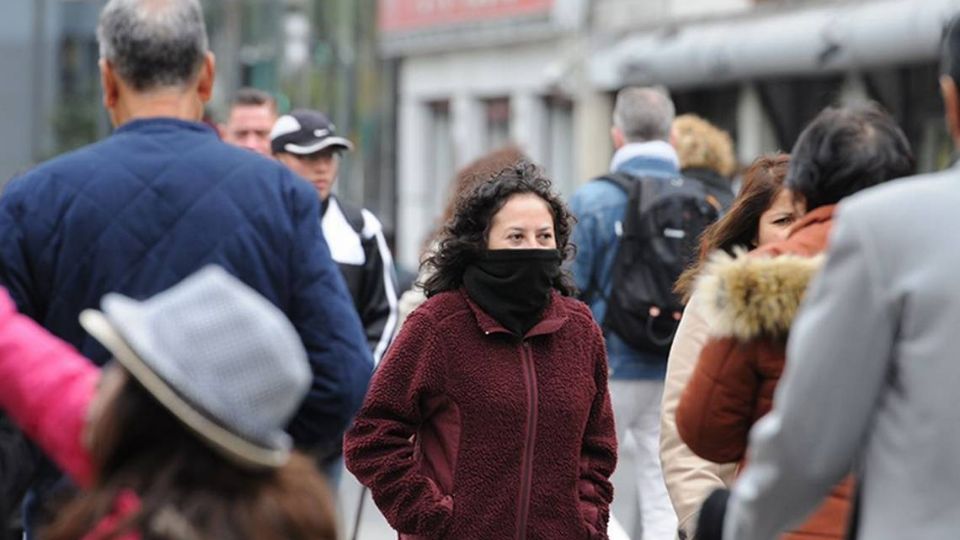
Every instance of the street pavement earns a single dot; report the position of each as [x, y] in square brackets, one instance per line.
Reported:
[373, 526]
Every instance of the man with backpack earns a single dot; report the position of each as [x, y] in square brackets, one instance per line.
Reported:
[637, 229]
[307, 143]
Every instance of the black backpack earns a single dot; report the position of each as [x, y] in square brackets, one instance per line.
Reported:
[659, 238]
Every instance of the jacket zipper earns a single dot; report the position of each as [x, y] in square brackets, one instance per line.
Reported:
[526, 472]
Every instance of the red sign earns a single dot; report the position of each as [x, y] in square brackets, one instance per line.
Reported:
[402, 15]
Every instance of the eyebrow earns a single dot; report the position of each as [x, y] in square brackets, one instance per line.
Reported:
[515, 228]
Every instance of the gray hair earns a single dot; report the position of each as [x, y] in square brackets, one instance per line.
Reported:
[153, 43]
[644, 114]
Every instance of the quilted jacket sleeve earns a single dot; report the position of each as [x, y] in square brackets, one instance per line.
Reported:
[598, 454]
[46, 387]
[15, 264]
[716, 409]
[323, 313]
[379, 448]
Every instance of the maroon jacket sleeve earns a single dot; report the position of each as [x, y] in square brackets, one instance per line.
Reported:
[379, 448]
[598, 455]
[717, 407]
[46, 387]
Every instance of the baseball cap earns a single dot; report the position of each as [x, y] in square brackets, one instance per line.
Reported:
[304, 132]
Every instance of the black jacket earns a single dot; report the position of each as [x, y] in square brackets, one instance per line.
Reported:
[357, 245]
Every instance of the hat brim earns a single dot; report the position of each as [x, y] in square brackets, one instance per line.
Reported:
[231, 446]
[322, 144]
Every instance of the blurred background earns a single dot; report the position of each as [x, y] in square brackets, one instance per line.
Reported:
[424, 86]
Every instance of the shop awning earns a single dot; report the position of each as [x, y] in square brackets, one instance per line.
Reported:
[792, 41]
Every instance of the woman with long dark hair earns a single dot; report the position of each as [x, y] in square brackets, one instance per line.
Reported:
[490, 416]
[181, 437]
[761, 214]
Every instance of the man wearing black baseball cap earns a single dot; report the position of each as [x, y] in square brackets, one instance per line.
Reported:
[306, 142]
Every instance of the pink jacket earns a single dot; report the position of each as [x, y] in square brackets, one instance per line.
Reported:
[46, 387]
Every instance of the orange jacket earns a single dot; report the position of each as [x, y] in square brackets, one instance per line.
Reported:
[751, 301]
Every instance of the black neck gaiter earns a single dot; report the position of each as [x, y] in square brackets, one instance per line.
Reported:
[513, 285]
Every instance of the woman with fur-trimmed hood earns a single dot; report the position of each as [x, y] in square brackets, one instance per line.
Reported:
[751, 299]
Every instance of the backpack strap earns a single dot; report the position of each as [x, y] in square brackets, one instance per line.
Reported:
[628, 183]
[353, 215]
[620, 179]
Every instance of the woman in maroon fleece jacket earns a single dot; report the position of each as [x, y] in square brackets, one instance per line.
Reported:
[490, 417]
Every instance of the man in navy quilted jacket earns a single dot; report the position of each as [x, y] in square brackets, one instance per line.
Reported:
[162, 197]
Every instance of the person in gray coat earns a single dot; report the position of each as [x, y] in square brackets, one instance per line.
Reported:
[872, 372]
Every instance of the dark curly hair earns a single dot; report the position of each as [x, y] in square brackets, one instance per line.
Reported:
[464, 237]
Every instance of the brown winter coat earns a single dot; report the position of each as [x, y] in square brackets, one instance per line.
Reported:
[751, 301]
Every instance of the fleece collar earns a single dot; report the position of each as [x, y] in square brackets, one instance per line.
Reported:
[554, 317]
[748, 297]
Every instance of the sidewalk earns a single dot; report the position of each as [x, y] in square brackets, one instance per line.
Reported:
[374, 527]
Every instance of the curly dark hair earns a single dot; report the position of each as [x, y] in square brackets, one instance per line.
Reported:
[464, 237]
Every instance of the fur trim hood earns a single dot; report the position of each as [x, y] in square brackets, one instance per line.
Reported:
[747, 297]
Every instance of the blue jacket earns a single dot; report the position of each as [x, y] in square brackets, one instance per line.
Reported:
[598, 207]
[157, 200]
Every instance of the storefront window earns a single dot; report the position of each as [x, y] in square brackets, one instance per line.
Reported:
[791, 103]
[558, 143]
[718, 105]
[912, 95]
[439, 155]
[498, 123]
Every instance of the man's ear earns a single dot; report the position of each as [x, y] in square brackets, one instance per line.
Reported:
[951, 106]
[207, 75]
[111, 87]
[618, 139]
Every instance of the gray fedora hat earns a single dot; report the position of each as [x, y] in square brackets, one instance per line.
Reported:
[220, 357]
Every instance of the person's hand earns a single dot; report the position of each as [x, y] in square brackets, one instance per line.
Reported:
[710, 522]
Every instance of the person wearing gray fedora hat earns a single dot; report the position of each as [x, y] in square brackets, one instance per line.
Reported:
[182, 435]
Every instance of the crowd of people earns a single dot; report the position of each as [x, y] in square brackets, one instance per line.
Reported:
[198, 336]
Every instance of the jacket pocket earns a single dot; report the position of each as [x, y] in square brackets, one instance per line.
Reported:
[438, 441]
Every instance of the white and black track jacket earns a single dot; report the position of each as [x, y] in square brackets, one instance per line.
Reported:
[357, 245]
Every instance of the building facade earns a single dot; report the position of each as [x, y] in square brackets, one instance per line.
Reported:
[51, 96]
[472, 76]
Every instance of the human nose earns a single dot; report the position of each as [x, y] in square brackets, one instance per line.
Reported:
[529, 242]
[249, 141]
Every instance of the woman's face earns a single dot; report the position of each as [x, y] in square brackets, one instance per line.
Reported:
[112, 379]
[775, 222]
[524, 222]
